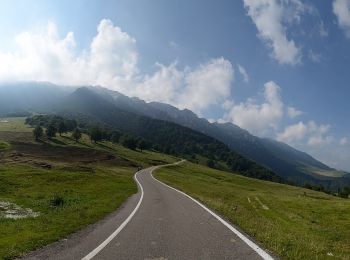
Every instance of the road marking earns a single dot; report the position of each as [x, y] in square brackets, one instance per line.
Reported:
[250, 243]
[120, 228]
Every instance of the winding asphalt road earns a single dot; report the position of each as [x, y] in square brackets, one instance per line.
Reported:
[157, 223]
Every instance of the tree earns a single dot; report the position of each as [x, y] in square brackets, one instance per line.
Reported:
[344, 193]
[142, 145]
[38, 132]
[129, 142]
[76, 134]
[95, 134]
[210, 164]
[61, 127]
[51, 131]
[115, 137]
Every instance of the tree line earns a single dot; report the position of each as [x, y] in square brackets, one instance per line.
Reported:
[49, 126]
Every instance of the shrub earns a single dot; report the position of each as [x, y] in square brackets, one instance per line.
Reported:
[57, 201]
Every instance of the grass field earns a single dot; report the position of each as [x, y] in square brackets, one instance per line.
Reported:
[59, 186]
[14, 124]
[294, 223]
[66, 200]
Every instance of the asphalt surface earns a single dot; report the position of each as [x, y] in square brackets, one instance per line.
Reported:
[167, 225]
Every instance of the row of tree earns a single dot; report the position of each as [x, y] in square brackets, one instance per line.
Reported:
[343, 192]
[51, 132]
[50, 126]
[97, 134]
[57, 124]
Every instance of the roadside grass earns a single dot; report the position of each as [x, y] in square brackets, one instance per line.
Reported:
[292, 222]
[67, 200]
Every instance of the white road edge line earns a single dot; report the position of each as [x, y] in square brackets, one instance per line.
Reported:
[120, 228]
[250, 243]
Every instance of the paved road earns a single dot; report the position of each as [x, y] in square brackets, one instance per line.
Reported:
[166, 225]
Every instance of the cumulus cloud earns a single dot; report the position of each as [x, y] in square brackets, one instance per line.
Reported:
[112, 61]
[43, 56]
[209, 84]
[292, 133]
[270, 17]
[293, 112]
[195, 89]
[312, 133]
[243, 73]
[341, 9]
[258, 117]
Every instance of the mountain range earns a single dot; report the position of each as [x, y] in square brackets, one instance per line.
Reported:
[289, 163]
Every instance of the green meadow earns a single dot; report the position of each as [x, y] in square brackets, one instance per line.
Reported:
[294, 223]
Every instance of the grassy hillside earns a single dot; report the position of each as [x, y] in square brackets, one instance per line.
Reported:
[287, 162]
[49, 190]
[87, 107]
[293, 222]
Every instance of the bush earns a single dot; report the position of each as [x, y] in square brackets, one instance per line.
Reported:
[57, 201]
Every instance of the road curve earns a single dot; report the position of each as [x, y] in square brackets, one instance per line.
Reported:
[157, 223]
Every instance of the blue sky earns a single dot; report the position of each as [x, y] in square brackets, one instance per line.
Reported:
[193, 54]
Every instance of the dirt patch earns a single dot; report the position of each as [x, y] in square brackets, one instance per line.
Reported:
[59, 153]
[13, 211]
[48, 156]
[16, 136]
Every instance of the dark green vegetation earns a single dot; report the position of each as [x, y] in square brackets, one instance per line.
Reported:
[293, 222]
[160, 135]
[69, 184]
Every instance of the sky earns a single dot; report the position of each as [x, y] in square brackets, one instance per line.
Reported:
[278, 68]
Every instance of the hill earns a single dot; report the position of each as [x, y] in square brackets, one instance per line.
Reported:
[290, 164]
[87, 106]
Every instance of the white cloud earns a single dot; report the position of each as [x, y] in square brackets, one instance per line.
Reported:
[227, 104]
[343, 141]
[209, 84]
[195, 89]
[269, 16]
[244, 73]
[293, 132]
[313, 134]
[341, 8]
[319, 140]
[293, 112]
[112, 61]
[43, 56]
[258, 117]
